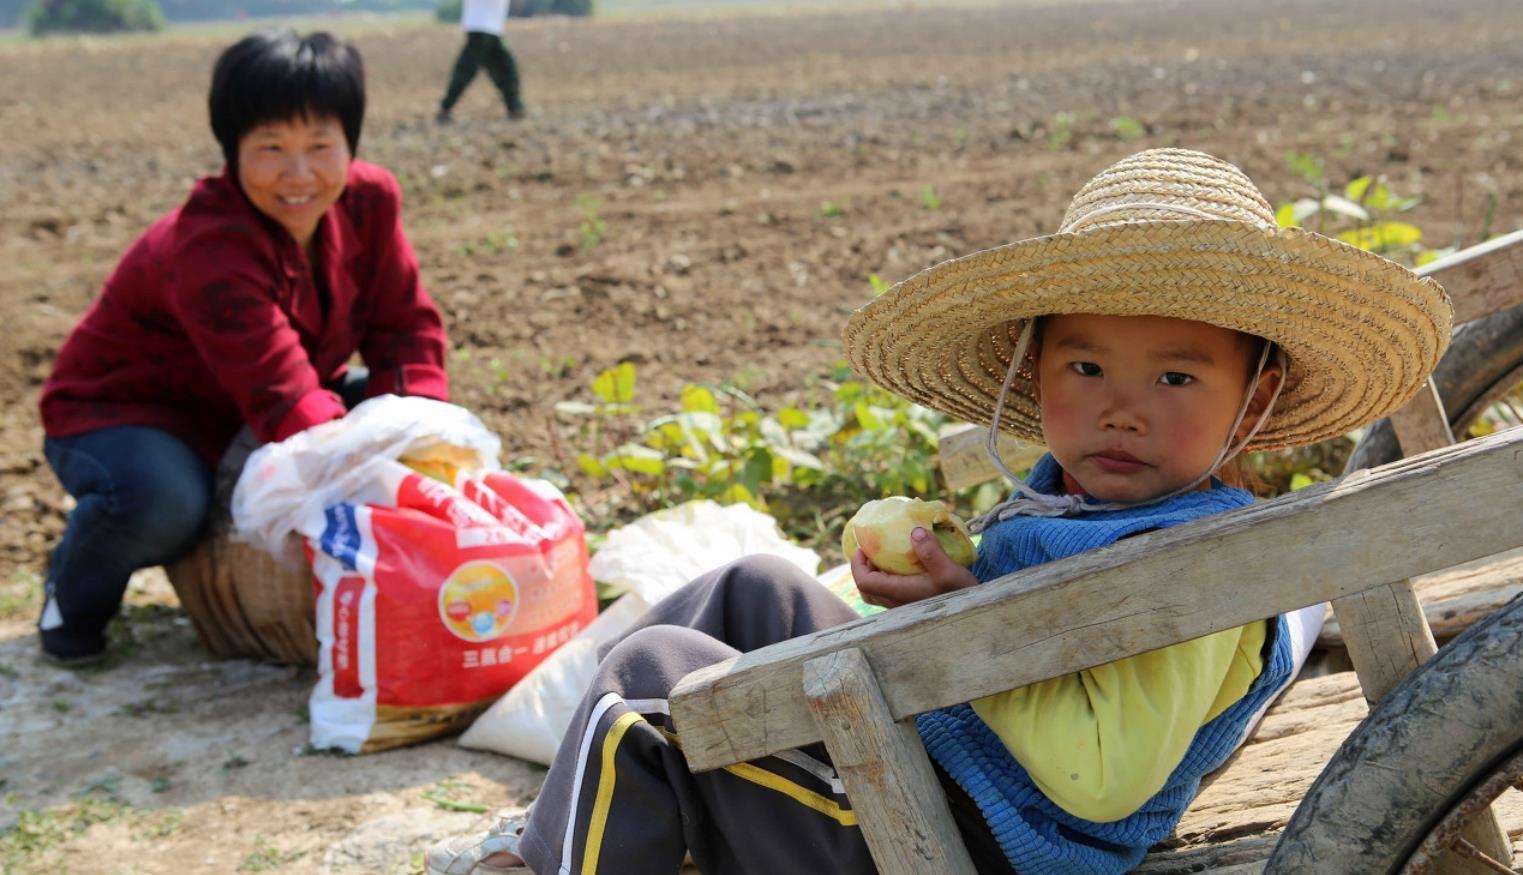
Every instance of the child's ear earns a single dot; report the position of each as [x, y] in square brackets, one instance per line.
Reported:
[1269, 381]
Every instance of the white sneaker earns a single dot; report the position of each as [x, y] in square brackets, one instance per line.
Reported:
[466, 855]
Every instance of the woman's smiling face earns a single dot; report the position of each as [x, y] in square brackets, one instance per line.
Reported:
[293, 170]
[1136, 407]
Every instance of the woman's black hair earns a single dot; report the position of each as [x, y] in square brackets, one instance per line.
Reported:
[278, 76]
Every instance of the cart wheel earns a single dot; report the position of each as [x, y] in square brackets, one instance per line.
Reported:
[1445, 741]
[1483, 367]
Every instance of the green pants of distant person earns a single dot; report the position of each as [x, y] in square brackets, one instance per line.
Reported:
[484, 49]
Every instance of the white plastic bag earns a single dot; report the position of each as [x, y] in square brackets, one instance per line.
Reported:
[286, 486]
[659, 552]
[651, 557]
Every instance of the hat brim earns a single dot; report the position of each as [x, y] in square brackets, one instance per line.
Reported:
[1361, 332]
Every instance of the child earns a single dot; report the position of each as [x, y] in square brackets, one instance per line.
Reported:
[1168, 326]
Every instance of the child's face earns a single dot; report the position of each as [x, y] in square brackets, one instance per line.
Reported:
[1135, 407]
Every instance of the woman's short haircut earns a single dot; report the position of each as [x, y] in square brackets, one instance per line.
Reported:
[278, 76]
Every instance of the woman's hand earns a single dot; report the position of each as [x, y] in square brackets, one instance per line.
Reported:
[887, 590]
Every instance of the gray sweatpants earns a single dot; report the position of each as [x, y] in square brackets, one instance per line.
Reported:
[619, 797]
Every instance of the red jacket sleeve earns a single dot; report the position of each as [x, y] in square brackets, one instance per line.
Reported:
[224, 291]
[404, 344]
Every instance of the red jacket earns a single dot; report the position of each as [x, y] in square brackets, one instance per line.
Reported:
[212, 319]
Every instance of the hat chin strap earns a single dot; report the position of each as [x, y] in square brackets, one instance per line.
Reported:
[1030, 502]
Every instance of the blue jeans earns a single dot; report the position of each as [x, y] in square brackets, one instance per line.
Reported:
[142, 498]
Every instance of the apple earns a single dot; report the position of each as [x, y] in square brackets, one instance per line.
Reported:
[882, 529]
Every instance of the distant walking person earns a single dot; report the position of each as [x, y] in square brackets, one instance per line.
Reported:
[482, 21]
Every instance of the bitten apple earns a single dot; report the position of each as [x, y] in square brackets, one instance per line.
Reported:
[882, 529]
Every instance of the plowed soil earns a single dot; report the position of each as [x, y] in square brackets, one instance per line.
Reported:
[702, 193]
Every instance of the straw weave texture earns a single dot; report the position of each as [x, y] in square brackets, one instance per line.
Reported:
[1362, 333]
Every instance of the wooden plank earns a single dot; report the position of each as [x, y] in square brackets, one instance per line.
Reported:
[1422, 424]
[965, 458]
[1386, 635]
[900, 804]
[1324, 542]
[1482, 279]
[1455, 598]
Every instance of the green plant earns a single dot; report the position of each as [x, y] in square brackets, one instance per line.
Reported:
[37, 832]
[1127, 128]
[264, 857]
[502, 241]
[929, 198]
[810, 465]
[445, 795]
[1061, 131]
[830, 210]
[554, 368]
[592, 227]
[21, 596]
[93, 16]
[1363, 214]
[160, 826]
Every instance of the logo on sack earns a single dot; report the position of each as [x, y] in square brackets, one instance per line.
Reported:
[341, 535]
[478, 601]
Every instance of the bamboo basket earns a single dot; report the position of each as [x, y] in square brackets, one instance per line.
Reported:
[243, 603]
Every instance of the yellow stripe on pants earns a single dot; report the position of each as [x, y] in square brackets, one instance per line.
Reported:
[605, 791]
[803, 795]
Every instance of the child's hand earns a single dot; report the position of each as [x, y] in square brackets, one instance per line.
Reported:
[887, 590]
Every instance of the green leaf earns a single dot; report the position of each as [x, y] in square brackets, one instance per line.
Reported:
[792, 418]
[799, 458]
[757, 471]
[1305, 166]
[1300, 481]
[739, 494]
[866, 416]
[879, 286]
[1306, 208]
[1285, 216]
[699, 426]
[640, 460]
[697, 398]
[1356, 188]
[591, 466]
[1383, 236]
[1128, 128]
[1428, 256]
[1342, 206]
[617, 384]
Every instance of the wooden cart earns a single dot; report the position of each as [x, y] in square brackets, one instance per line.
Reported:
[1363, 543]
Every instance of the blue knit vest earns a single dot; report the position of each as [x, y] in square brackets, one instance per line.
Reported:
[1036, 835]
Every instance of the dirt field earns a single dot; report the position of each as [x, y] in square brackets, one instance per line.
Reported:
[704, 196]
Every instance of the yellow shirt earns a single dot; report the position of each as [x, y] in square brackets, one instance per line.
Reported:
[1102, 741]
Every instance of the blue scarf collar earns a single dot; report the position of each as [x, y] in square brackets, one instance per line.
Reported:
[1023, 541]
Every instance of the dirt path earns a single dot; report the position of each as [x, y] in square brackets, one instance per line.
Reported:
[702, 196]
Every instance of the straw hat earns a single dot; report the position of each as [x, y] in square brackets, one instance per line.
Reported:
[1166, 232]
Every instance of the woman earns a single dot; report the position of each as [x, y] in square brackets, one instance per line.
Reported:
[240, 307]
